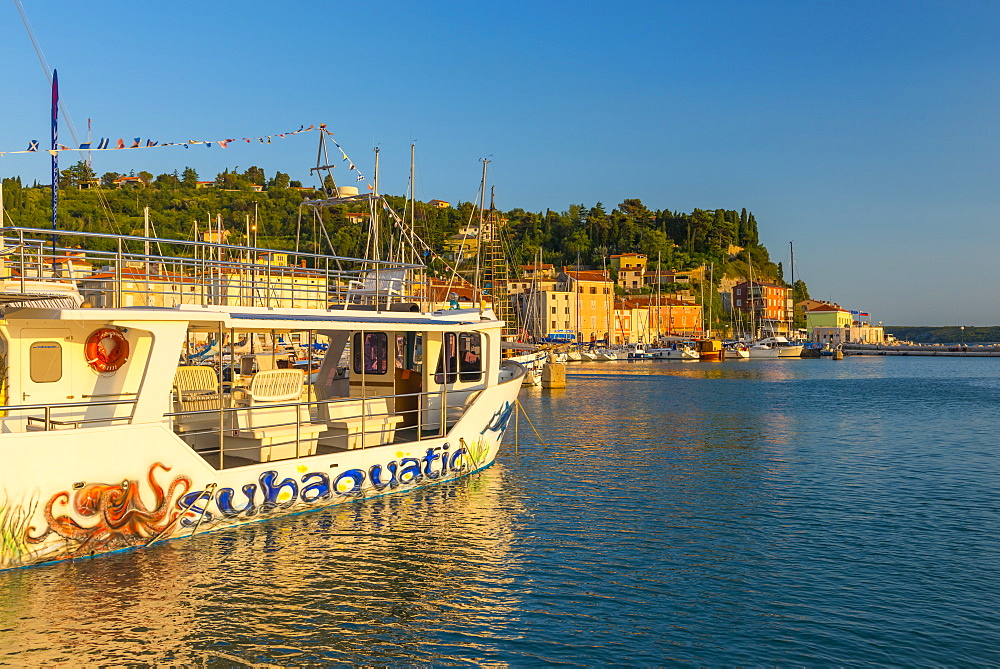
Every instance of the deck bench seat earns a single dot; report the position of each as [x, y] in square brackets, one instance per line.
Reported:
[349, 429]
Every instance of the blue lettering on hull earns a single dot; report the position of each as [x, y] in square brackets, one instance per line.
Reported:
[315, 487]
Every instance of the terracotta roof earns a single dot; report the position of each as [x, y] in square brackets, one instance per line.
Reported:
[827, 307]
[651, 301]
[586, 275]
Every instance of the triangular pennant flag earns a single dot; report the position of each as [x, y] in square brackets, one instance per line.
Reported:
[121, 143]
[223, 142]
[103, 144]
[136, 143]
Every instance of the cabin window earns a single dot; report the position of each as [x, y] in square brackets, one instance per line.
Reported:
[470, 361]
[371, 356]
[447, 360]
[45, 361]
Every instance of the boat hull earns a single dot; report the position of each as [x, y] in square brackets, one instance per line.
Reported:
[117, 488]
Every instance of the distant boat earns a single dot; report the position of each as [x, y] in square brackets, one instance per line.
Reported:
[638, 352]
[710, 349]
[677, 351]
[786, 349]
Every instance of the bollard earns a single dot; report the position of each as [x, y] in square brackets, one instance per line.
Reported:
[554, 375]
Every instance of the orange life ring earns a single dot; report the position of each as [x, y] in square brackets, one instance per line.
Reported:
[106, 350]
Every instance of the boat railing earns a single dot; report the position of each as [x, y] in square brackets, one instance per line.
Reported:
[233, 436]
[116, 271]
[68, 415]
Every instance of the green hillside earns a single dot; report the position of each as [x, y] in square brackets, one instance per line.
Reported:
[580, 233]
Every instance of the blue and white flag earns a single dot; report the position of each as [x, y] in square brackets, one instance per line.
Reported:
[33, 145]
[103, 144]
[855, 313]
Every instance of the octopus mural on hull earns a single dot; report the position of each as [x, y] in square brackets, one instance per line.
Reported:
[116, 517]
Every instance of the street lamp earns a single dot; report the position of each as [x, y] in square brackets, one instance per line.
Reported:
[961, 333]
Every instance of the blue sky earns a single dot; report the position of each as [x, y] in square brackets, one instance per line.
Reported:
[864, 132]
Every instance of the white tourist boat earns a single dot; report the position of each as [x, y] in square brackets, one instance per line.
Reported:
[118, 430]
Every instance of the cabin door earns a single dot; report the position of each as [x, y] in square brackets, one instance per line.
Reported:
[453, 373]
[45, 374]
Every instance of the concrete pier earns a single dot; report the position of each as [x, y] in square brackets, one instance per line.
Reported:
[925, 349]
[554, 375]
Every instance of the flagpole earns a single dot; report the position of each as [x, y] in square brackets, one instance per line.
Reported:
[55, 162]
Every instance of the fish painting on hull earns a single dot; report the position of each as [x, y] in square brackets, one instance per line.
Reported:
[115, 514]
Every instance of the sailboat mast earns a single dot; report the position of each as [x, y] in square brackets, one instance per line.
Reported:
[55, 161]
[791, 317]
[482, 203]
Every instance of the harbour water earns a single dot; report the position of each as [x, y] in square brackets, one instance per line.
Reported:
[747, 512]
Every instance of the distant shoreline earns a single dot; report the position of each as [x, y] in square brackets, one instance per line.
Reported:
[947, 334]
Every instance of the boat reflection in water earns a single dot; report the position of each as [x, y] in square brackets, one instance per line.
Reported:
[356, 580]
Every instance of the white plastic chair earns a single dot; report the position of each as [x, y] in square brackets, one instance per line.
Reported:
[376, 283]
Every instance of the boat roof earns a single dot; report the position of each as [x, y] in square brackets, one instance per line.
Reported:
[264, 318]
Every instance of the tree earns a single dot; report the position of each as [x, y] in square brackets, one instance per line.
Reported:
[168, 180]
[147, 177]
[190, 178]
[280, 180]
[255, 175]
[109, 178]
[76, 174]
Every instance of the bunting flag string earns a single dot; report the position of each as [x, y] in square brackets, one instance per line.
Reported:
[350, 163]
[137, 143]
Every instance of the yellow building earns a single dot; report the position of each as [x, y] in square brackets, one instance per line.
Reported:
[828, 316]
[631, 269]
[593, 295]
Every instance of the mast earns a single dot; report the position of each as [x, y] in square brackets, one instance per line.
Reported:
[711, 287]
[576, 285]
[482, 202]
[55, 161]
[791, 318]
[659, 273]
[753, 330]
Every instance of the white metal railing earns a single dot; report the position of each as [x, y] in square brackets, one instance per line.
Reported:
[110, 274]
[233, 436]
[66, 414]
